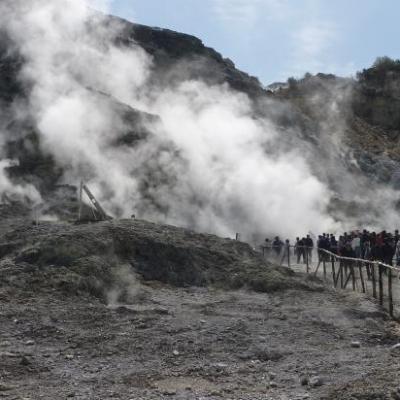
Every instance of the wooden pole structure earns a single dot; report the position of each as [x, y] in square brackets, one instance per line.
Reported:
[316, 270]
[288, 255]
[390, 292]
[347, 279]
[353, 274]
[338, 275]
[333, 269]
[306, 254]
[341, 275]
[373, 276]
[360, 265]
[380, 285]
[96, 204]
[324, 265]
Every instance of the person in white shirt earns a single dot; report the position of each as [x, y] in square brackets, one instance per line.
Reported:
[356, 246]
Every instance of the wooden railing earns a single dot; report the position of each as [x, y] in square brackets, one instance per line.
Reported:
[365, 275]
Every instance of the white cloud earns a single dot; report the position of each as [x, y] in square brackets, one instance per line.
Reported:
[312, 43]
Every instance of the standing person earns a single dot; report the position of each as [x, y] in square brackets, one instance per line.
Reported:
[333, 244]
[376, 251]
[324, 244]
[341, 244]
[397, 253]
[388, 251]
[320, 246]
[380, 238]
[297, 250]
[309, 247]
[350, 253]
[302, 249]
[366, 250]
[286, 251]
[277, 245]
[396, 236]
[372, 239]
[364, 239]
[356, 246]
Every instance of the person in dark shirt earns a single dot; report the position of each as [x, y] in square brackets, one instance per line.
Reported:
[302, 250]
[348, 251]
[277, 245]
[309, 247]
[333, 244]
[297, 250]
[376, 252]
[396, 237]
[388, 250]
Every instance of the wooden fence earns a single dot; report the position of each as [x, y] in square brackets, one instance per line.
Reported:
[367, 276]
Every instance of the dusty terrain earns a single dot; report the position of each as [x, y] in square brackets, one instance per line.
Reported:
[61, 337]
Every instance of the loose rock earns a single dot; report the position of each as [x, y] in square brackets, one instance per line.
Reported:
[315, 381]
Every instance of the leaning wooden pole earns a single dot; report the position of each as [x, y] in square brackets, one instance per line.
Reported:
[96, 204]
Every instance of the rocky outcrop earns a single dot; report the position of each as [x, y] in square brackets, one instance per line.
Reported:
[92, 256]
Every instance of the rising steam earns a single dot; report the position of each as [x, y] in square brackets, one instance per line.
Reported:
[222, 169]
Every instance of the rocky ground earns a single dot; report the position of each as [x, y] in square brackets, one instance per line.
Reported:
[141, 338]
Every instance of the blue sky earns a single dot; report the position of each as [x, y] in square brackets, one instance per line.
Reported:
[275, 39]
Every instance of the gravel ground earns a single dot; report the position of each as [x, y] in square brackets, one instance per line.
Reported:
[196, 343]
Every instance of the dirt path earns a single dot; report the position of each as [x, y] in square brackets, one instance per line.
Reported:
[195, 344]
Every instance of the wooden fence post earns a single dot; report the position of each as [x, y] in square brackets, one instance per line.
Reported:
[390, 293]
[380, 284]
[341, 274]
[373, 276]
[306, 253]
[353, 275]
[333, 269]
[360, 266]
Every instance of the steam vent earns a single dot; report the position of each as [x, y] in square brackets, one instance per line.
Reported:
[172, 227]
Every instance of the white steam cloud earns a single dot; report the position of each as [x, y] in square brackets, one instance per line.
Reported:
[229, 172]
[10, 191]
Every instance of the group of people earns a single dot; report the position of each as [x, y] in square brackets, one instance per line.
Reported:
[383, 246]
